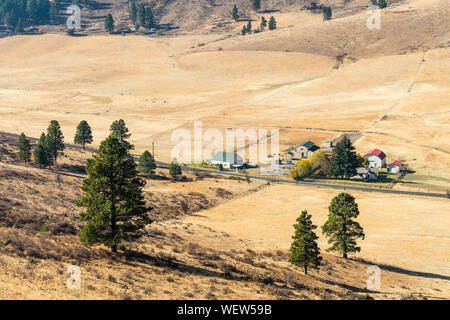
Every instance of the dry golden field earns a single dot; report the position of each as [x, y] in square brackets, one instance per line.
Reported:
[230, 244]
[313, 80]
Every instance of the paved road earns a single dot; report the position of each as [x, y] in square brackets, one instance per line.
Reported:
[165, 165]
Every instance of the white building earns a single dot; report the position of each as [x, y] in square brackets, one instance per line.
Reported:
[376, 158]
[228, 160]
[395, 166]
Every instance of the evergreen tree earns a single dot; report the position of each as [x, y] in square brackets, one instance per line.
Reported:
[133, 12]
[83, 136]
[42, 154]
[382, 4]
[244, 30]
[249, 27]
[33, 11]
[141, 15]
[272, 23]
[115, 206]
[24, 149]
[304, 249]
[174, 170]
[256, 4]
[19, 26]
[109, 23]
[263, 23]
[119, 130]
[341, 227]
[55, 139]
[147, 164]
[344, 160]
[148, 18]
[327, 13]
[235, 13]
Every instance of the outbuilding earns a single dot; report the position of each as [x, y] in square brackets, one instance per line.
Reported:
[395, 166]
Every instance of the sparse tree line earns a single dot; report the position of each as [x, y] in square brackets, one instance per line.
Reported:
[50, 146]
[247, 29]
[380, 3]
[341, 228]
[17, 14]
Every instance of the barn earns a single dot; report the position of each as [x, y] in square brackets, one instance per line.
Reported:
[376, 158]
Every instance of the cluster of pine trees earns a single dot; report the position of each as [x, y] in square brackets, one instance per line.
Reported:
[19, 13]
[141, 15]
[262, 26]
[340, 227]
[115, 207]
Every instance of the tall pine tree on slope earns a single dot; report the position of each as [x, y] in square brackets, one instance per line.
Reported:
[304, 249]
[115, 207]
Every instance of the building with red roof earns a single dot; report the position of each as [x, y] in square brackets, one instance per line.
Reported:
[395, 166]
[376, 158]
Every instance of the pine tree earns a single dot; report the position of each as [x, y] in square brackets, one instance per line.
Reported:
[147, 164]
[272, 23]
[83, 136]
[249, 27]
[115, 206]
[256, 4]
[304, 249]
[32, 11]
[344, 160]
[119, 130]
[42, 154]
[148, 18]
[55, 139]
[235, 13]
[141, 15]
[109, 23]
[382, 4]
[174, 170]
[24, 149]
[327, 13]
[263, 23]
[133, 12]
[244, 30]
[341, 227]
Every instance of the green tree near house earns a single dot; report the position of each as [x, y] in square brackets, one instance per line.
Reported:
[341, 227]
[235, 13]
[55, 140]
[119, 130]
[109, 23]
[175, 170]
[305, 252]
[327, 13]
[244, 30]
[42, 154]
[83, 135]
[147, 164]
[344, 161]
[272, 23]
[24, 149]
[115, 207]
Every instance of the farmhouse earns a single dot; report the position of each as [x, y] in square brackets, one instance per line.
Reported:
[228, 160]
[376, 158]
[395, 166]
[367, 173]
[305, 150]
